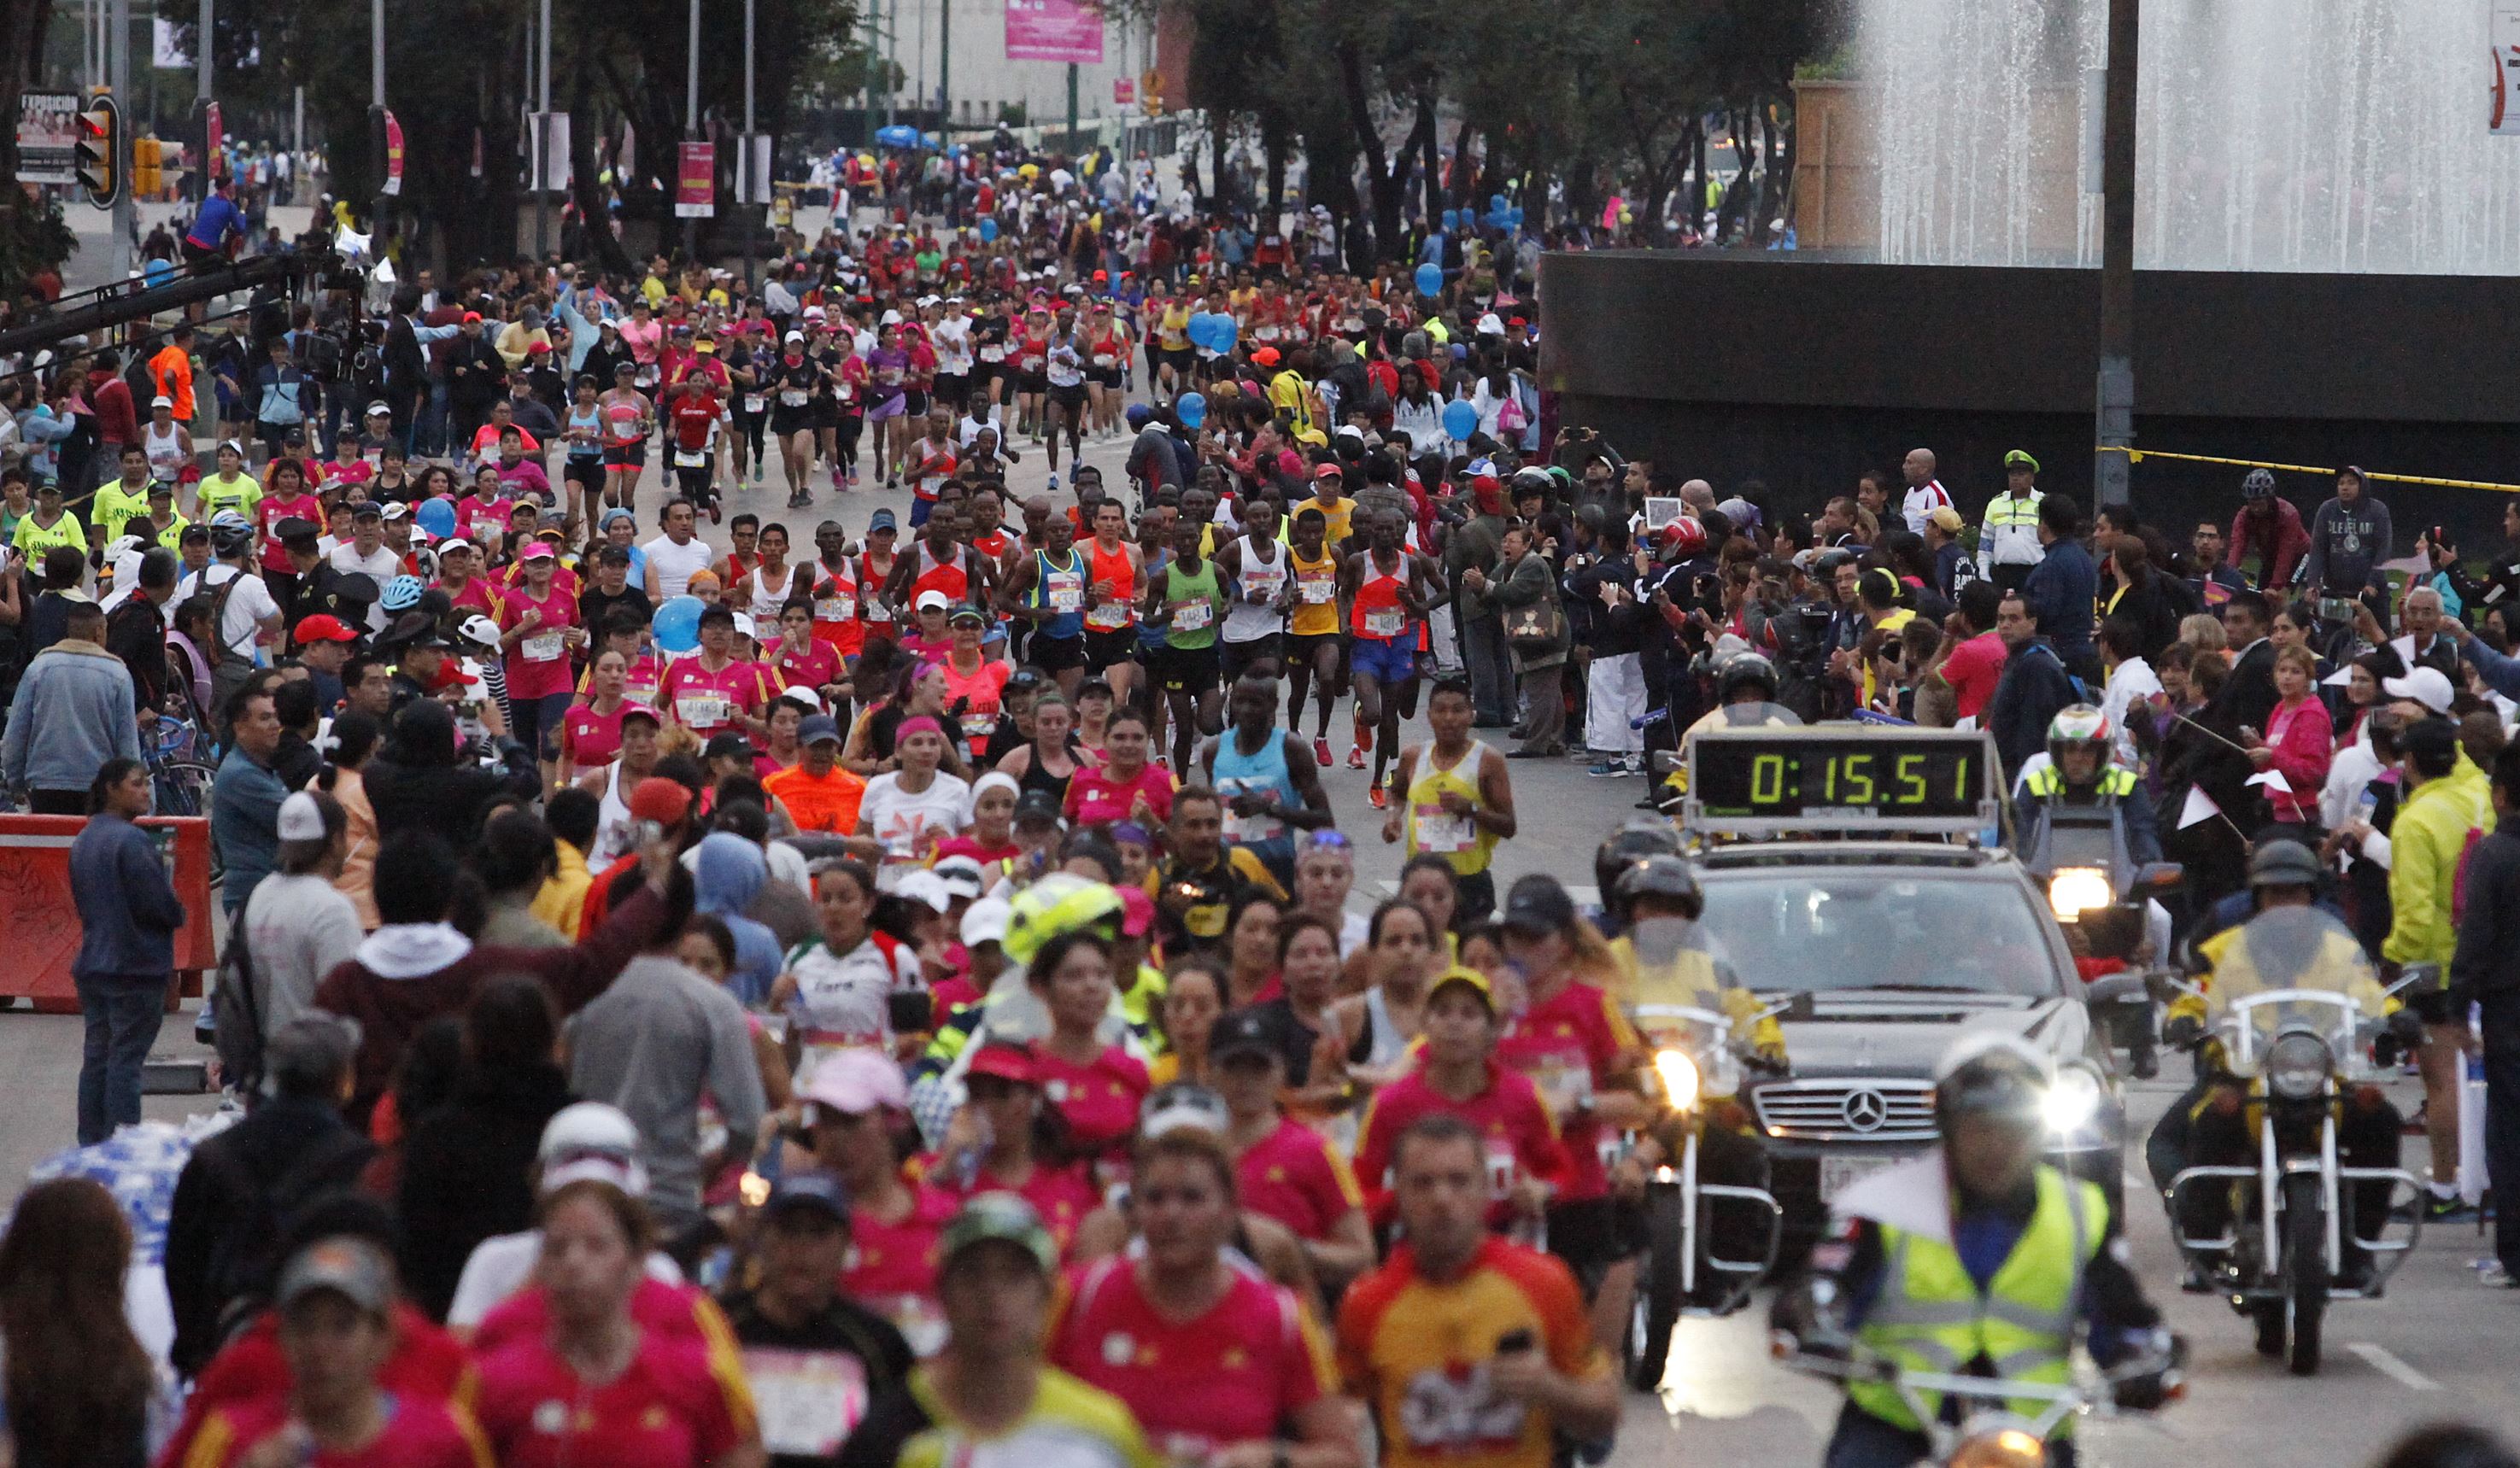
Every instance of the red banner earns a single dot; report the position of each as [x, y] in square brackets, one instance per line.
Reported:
[393, 155]
[696, 181]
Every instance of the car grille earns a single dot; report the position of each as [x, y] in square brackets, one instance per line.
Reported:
[1819, 1110]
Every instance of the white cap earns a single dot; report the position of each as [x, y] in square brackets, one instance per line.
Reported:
[985, 922]
[478, 628]
[925, 887]
[397, 510]
[892, 318]
[300, 817]
[962, 876]
[590, 1141]
[2428, 686]
[800, 693]
[745, 624]
[161, 401]
[932, 598]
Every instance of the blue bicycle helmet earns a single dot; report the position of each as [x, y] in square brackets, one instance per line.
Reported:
[404, 594]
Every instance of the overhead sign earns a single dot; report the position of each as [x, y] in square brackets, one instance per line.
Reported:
[2503, 30]
[1055, 30]
[696, 181]
[48, 137]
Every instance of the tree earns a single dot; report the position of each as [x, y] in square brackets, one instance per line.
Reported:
[32, 237]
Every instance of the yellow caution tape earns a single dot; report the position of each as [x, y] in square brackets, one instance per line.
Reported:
[2138, 456]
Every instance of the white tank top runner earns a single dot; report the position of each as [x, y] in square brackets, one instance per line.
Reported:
[1244, 622]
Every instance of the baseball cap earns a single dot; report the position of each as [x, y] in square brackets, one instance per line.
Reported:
[536, 550]
[1267, 356]
[985, 922]
[397, 511]
[161, 401]
[881, 520]
[856, 1081]
[658, 799]
[2020, 459]
[351, 1267]
[1476, 981]
[617, 512]
[321, 628]
[643, 711]
[998, 1218]
[925, 887]
[728, 747]
[589, 1140]
[935, 598]
[2428, 686]
[366, 509]
[291, 528]
[1006, 1062]
[816, 729]
[1183, 1105]
[1538, 904]
[961, 875]
[964, 612]
[1039, 807]
[300, 817]
[377, 409]
[478, 628]
[1331, 472]
[472, 318]
[1240, 1033]
[804, 1192]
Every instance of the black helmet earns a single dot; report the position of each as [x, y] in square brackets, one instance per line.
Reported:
[1990, 1075]
[2283, 863]
[1743, 670]
[1642, 837]
[1660, 877]
[2258, 485]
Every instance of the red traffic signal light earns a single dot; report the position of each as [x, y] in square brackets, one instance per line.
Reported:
[99, 152]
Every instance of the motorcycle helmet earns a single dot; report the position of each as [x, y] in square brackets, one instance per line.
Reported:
[1745, 670]
[1667, 878]
[2258, 485]
[2283, 863]
[1990, 1075]
[2079, 726]
[1630, 844]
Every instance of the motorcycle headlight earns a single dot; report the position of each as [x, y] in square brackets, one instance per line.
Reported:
[2298, 1066]
[1678, 1074]
[2071, 1102]
[2001, 1448]
[2075, 890]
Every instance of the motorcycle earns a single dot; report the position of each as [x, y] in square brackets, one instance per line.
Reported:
[1700, 1048]
[1990, 1432]
[2297, 1009]
[2103, 901]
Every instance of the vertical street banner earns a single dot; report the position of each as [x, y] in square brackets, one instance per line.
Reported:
[696, 181]
[1055, 30]
[215, 142]
[393, 155]
[47, 138]
[2503, 32]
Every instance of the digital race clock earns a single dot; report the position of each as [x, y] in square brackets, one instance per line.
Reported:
[1884, 778]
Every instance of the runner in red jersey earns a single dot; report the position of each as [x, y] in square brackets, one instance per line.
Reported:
[1284, 1169]
[855, 1100]
[1461, 1077]
[994, 1146]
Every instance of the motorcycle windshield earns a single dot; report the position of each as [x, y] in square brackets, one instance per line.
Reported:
[2307, 953]
[1686, 993]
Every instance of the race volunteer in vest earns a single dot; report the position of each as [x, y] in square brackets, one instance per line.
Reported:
[1975, 1257]
[2078, 772]
[2007, 539]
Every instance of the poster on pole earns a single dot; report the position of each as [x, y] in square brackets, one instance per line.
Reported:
[2503, 30]
[696, 181]
[393, 155]
[48, 137]
[1055, 30]
[215, 142]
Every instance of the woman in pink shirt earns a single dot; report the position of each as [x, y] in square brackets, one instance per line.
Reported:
[539, 622]
[2299, 738]
[1126, 787]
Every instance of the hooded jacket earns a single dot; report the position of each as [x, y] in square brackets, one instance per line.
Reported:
[727, 874]
[2425, 848]
[418, 784]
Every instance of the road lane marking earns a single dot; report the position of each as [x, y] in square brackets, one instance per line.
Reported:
[2381, 1359]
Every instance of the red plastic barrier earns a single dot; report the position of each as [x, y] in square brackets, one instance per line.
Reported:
[40, 928]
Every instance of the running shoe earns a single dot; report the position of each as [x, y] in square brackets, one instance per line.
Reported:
[1322, 753]
[1378, 798]
[1355, 756]
[756, 473]
[1610, 769]
[2492, 1274]
[2441, 1210]
[1053, 481]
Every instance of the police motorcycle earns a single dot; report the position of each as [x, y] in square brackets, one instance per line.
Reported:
[2003, 1423]
[1745, 697]
[1712, 1227]
[2086, 839]
[2297, 1012]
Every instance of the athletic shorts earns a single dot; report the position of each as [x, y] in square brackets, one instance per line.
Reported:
[784, 420]
[919, 509]
[1105, 376]
[626, 455]
[914, 402]
[892, 407]
[1180, 360]
[1233, 657]
[1390, 662]
[1303, 648]
[1591, 1235]
[951, 389]
[585, 470]
[1055, 654]
[1109, 646]
[1071, 396]
[1183, 669]
[1035, 383]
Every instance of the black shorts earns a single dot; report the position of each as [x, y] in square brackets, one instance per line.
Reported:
[1592, 1235]
[1303, 648]
[1105, 376]
[1106, 648]
[585, 470]
[1035, 383]
[953, 389]
[626, 455]
[1180, 360]
[784, 420]
[1055, 654]
[1183, 669]
[914, 402]
[1070, 397]
[1234, 657]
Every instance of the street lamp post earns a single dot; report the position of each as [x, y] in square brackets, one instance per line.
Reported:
[756, 179]
[2116, 397]
[691, 122]
[542, 134]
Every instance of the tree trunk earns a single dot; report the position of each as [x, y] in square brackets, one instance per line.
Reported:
[1272, 144]
[1383, 173]
[1465, 180]
[585, 132]
[1427, 130]
[1220, 182]
[1773, 183]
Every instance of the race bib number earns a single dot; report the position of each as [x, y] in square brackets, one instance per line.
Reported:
[977, 727]
[993, 354]
[792, 397]
[691, 459]
[1191, 617]
[1317, 587]
[1385, 622]
[1066, 593]
[646, 378]
[754, 402]
[700, 710]
[1104, 359]
[1564, 1082]
[807, 1401]
[545, 647]
[1267, 333]
[835, 608]
[1110, 616]
[1442, 832]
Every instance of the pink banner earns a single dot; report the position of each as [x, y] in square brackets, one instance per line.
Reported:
[1055, 30]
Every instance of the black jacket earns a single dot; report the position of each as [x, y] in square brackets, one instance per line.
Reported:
[2486, 960]
[232, 1204]
[463, 1175]
[2034, 687]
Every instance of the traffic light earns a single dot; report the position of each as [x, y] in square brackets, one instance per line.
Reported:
[145, 181]
[100, 148]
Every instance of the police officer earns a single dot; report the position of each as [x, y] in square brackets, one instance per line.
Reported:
[1746, 696]
[1975, 1258]
[2078, 772]
[2007, 539]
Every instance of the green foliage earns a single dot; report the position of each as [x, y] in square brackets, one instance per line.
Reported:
[32, 237]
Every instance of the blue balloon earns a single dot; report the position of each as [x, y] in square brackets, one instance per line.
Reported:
[1451, 219]
[1224, 332]
[1199, 331]
[436, 517]
[1430, 278]
[1496, 203]
[1190, 409]
[678, 624]
[1460, 420]
[988, 230]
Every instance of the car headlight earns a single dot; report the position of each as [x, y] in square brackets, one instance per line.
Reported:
[2076, 890]
[1679, 1075]
[2298, 1066]
[2071, 1102]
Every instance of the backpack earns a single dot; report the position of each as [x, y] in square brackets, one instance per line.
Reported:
[244, 1262]
[236, 1014]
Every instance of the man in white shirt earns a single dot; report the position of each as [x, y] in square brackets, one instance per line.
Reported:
[1925, 494]
[366, 554]
[250, 612]
[675, 556]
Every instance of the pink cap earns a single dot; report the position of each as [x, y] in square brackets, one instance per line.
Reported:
[856, 1081]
